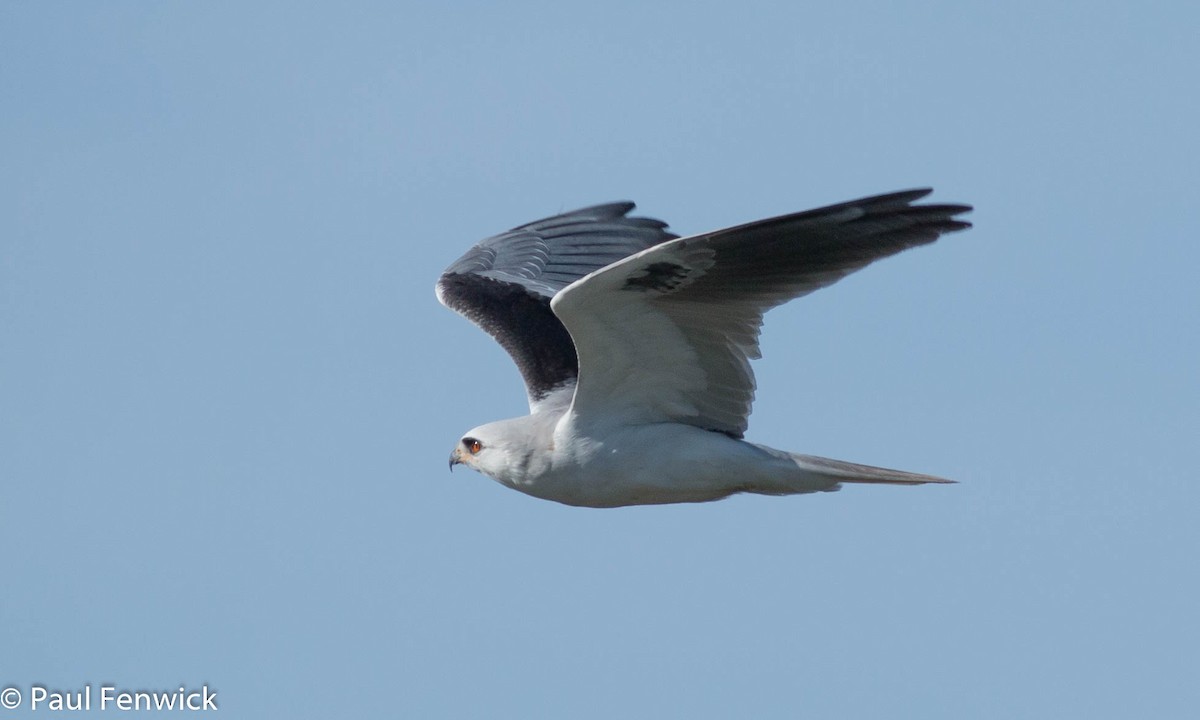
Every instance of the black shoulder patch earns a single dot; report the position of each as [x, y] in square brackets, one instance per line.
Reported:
[660, 276]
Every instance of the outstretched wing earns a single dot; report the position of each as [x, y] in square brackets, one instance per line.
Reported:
[668, 334]
[504, 284]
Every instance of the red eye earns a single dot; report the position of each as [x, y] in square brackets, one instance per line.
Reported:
[473, 445]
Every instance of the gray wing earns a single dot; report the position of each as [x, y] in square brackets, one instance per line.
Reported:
[504, 283]
[667, 335]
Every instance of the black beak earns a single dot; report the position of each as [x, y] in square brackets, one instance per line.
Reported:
[454, 459]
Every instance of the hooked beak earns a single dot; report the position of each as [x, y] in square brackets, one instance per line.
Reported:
[455, 458]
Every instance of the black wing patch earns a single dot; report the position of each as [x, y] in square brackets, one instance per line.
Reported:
[661, 277]
[505, 283]
[522, 322]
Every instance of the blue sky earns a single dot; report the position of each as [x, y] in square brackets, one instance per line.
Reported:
[227, 392]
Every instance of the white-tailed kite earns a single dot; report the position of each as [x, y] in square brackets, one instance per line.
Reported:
[635, 346]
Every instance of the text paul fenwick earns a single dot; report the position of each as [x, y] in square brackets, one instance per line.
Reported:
[109, 697]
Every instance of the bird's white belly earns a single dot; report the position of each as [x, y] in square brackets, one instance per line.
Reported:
[650, 464]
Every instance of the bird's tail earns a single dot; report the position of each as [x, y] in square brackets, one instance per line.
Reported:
[847, 472]
[809, 473]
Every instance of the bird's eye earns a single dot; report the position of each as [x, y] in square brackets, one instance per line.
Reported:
[473, 446]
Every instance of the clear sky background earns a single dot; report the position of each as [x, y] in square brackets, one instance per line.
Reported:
[227, 392]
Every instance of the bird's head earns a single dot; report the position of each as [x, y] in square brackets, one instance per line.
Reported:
[484, 449]
[507, 450]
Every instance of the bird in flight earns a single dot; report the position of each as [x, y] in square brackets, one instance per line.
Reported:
[635, 346]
